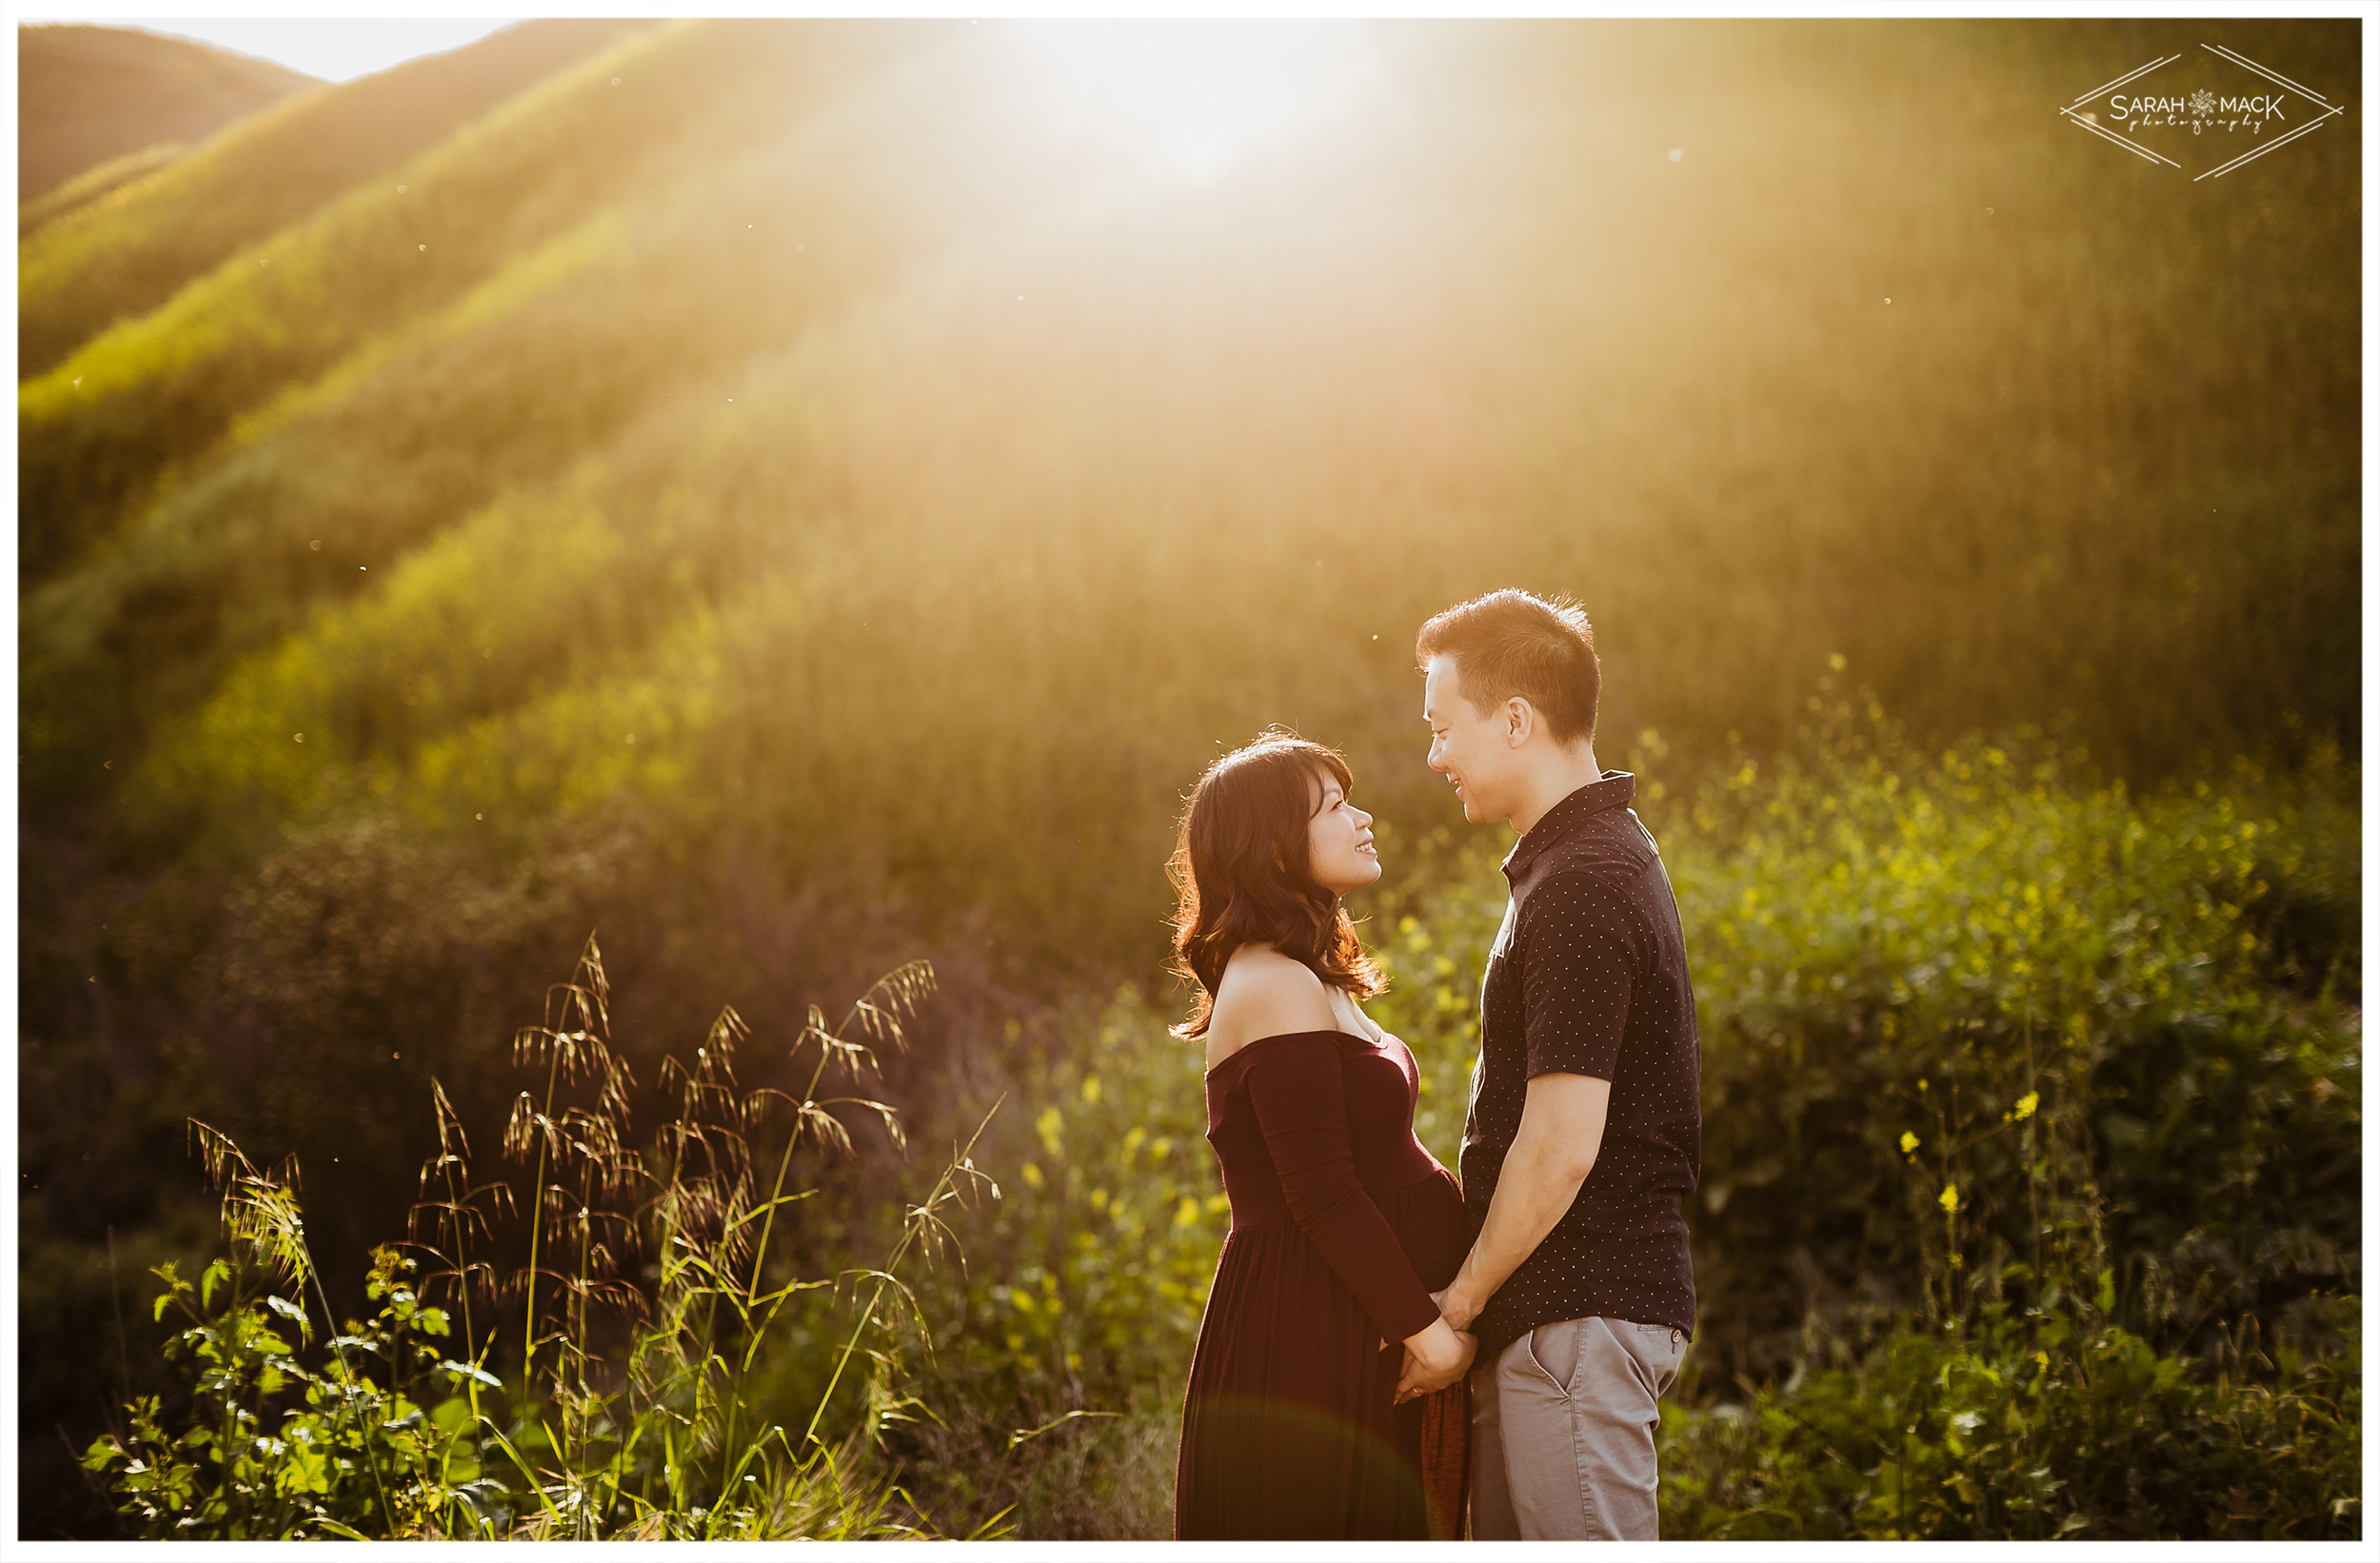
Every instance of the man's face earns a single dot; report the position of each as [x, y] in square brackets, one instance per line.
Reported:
[1470, 747]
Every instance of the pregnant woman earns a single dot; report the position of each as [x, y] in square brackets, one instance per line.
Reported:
[1327, 1397]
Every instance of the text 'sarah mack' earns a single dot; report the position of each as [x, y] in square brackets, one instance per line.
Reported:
[2264, 106]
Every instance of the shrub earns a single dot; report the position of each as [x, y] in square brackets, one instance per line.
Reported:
[2055, 1424]
[1958, 1008]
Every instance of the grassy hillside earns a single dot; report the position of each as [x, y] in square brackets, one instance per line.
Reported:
[118, 259]
[92, 95]
[1674, 386]
[799, 496]
[94, 183]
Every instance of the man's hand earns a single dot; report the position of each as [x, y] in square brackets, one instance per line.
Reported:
[1435, 1358]
[1562, 1129]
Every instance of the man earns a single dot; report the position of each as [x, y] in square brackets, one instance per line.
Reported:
[1585, 1124]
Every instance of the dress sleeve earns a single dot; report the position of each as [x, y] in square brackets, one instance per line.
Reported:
[1301, 1100]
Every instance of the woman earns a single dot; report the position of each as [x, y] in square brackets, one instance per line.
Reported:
[1326, 1395]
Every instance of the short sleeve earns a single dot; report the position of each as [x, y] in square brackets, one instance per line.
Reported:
[1579, 937]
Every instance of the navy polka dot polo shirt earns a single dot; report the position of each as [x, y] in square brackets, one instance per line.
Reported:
[1588, 976]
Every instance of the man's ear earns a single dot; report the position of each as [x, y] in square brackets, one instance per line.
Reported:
[1520, 719]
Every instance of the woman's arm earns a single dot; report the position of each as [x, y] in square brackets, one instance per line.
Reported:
[1300, 1102]
[1299, 1097]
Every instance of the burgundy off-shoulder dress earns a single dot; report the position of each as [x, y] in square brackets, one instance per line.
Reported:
[1341, 1226]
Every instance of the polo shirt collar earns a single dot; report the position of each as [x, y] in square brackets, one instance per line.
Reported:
[1616, 790]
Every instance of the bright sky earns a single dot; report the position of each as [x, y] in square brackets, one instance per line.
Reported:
[299, 34]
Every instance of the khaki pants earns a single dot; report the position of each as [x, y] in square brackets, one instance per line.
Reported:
[1562, 1425]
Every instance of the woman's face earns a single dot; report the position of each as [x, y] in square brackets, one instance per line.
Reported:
[1339, 841]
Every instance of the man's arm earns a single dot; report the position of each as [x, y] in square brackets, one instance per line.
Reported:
[1561, 1129]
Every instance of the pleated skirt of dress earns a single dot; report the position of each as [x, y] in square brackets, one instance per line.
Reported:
[1290, 1428]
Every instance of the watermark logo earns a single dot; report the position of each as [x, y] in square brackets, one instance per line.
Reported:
[2226, 113]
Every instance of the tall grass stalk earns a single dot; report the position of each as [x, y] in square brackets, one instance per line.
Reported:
[596, 1443]
[262, 1217]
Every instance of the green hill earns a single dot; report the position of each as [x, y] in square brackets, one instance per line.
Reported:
[1675, 384]
[797, 493]
[94, 264]
[93, 184]
[94, 95]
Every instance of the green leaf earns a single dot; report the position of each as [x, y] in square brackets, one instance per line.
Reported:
[464, 1369]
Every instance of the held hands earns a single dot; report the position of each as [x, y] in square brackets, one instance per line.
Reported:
[1435, 1358]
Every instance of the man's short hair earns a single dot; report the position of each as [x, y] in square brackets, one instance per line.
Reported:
[1514, 642]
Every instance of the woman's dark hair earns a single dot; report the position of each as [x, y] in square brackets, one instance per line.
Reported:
[1240, 865]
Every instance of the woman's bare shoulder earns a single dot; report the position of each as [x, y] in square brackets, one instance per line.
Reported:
[1264, 993]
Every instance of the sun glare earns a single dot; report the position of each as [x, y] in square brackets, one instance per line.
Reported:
[1208, 92]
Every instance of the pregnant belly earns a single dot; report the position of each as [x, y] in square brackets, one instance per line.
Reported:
[1427, 1216]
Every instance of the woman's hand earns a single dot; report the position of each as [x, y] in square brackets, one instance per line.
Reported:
[1435, 1358]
